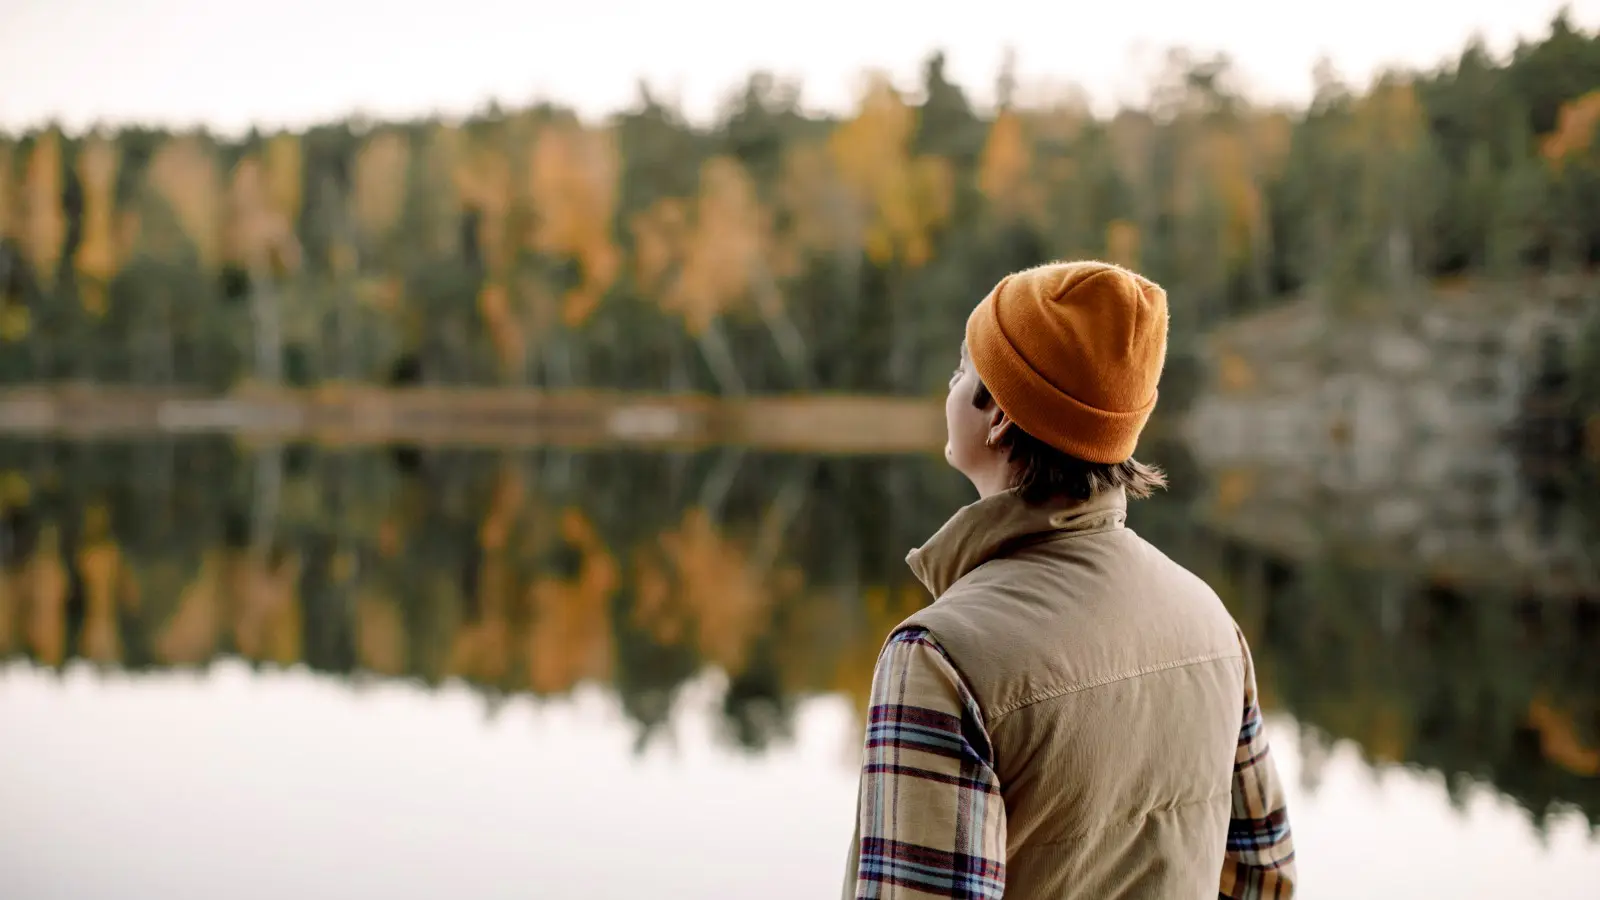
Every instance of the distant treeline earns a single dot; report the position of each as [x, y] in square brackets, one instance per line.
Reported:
[774, 250]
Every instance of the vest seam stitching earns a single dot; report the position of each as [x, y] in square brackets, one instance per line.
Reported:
[1109, 679]
[1155, 810]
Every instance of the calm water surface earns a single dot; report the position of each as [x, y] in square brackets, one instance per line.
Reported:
[278, 672]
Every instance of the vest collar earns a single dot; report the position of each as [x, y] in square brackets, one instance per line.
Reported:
[995, 526]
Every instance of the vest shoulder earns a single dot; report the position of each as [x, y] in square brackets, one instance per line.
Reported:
[995, 598]
[1076, 611]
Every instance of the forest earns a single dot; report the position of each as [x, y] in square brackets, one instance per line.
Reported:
[775, 250]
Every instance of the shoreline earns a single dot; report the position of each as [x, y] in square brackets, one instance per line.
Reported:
[478, 416]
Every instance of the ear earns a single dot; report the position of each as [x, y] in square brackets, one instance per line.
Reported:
[999, 424]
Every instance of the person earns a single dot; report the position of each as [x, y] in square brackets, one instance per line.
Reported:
[1075, 715]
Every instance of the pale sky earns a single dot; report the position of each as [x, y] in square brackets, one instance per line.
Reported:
[230, 64]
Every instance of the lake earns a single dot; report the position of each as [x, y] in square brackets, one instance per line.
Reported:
[288, 671]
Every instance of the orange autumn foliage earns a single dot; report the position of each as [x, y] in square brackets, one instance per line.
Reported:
[572, 178]
[697, 585]
[660, 235]
[1559, 741]
[380, 635]
[191, 634]
[1122, 243]
[569, 640]
[39, 597]
[109, 588]
[1574, 134]
[1005, 170]
[713, 255]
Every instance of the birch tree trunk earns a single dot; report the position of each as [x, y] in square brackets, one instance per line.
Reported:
[719, 356]
[266, 324]
[791, 345]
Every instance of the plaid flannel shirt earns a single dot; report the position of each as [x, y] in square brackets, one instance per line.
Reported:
[932, 819]
[1259, 857]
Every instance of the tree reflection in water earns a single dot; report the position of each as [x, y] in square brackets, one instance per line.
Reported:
[534, 572]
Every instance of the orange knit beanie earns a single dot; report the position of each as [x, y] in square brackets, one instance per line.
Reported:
[1072, 353]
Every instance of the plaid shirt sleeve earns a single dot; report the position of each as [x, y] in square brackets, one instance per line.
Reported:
[931, 821]
[1259, 861]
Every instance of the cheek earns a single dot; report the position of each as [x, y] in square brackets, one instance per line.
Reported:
[963, 423]
[950, 435]
[950, 408]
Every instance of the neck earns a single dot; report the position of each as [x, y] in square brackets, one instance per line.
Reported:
[996, 480]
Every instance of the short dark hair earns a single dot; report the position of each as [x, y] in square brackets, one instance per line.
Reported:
[1045, 473]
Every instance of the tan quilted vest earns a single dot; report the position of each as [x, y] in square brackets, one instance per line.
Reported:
[1111, 682]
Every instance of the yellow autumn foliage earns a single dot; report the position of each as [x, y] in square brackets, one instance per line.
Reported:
[265, 607]
[184, 174]
[98, 255]
[15, 490]
[379, 182]
[283, 165]
[8, 612]
[901, 199]
[8, 190]
[1391, 116]
[16, 322]
[1219, 168]
[44, 224]
[483, 181]
[258, 236]
[108, 588]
